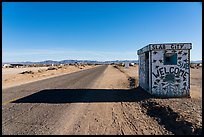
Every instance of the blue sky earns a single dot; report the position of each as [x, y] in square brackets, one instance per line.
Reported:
[96, 30]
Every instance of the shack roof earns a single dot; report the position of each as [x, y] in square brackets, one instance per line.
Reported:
[165, 46]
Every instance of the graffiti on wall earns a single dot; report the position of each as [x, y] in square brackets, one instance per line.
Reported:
[170, 80]
[170, 46]
[142, 72]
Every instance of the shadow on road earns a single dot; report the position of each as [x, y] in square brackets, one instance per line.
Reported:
[85, 95]
[164, 115]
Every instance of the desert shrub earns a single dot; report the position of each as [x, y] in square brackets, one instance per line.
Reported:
[59, 67]
[52, 68]
[192, 65]
[27, 72]
[121, 64]
[41, 70]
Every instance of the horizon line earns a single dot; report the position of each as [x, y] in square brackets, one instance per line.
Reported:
[74, 59]
[80, 60]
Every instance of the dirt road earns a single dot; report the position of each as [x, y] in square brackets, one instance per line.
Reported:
[93, 101]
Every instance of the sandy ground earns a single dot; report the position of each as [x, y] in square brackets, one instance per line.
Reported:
[145, 115]
[110, 118]
[6, 71]
[12, 77]
[196, 82]
[177, 112]
[132, 71]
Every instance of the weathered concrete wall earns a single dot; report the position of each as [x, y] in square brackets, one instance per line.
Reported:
[143, 72]
[170, 80]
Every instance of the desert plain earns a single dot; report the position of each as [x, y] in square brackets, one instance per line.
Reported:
[112, 103]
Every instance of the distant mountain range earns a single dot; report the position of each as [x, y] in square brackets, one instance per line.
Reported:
[80, 61]
[71, 62]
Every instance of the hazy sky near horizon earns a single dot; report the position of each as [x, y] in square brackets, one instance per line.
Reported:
[33, 31]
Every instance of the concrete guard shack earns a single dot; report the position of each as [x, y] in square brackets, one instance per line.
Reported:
[164, 69]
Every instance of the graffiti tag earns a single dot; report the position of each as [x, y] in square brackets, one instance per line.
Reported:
[172, 70]
[183, 65]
